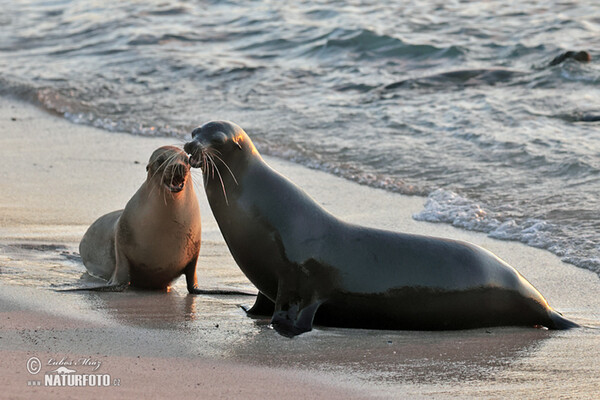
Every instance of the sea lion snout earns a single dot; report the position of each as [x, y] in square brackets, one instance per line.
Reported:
[171, 166]
[213, 137]
[175, 176]
[194, 149]
[203, 137]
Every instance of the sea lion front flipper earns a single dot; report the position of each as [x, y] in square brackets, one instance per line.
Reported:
[120, 276]
[190, 276]
[294, 311]
[263, 306]
[292, 319]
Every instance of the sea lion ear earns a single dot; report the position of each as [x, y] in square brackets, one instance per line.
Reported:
[237, 141]
[147, 167]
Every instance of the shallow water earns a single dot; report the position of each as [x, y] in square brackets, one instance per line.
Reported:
[450, 100]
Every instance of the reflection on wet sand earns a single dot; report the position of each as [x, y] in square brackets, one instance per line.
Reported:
[146, 309]
[217, 326]
[391, 356]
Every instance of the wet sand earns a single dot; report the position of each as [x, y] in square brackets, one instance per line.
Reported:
[57, 178]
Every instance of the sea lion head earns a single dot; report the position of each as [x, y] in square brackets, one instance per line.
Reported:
[170, 167]
[217, 140]
[582, 56]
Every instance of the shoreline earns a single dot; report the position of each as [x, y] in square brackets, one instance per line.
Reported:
[58, 177]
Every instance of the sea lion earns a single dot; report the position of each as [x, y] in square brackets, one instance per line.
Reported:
[315, 267]
[581, 56]
[156, 238]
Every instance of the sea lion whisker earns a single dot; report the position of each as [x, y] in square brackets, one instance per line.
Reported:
[162, 175]
[210, 155]
[212, 151]
[195, 181]
[167, 166]
[164, 193]
[171, 167]
[213, 166]
[203, 162]
[158, 169]
[204, 169]
[151, 191]
[222, 185]
[163, 163]
[227, 166]
[215, 151]
[220, 177]
[171, 184]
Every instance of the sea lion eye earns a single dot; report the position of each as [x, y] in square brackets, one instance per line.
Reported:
[218, 138]
[196, 132]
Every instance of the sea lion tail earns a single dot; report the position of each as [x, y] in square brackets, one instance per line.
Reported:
[559, 322]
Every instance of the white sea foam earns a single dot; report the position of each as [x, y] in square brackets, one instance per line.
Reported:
[448, 207]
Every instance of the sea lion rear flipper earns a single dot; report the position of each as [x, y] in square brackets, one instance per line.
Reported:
[559, 322]
[97, 247]
[263, 306]
[97, 288]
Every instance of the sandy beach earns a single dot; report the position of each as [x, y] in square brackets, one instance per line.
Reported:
[56, 178]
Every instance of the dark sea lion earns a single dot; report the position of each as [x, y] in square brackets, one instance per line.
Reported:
[581, 56]
[156, 238]
[313, 266]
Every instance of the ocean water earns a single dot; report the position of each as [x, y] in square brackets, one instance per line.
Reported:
[451, 100]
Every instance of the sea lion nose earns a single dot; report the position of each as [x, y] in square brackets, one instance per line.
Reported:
[194, 149]
[190, 147]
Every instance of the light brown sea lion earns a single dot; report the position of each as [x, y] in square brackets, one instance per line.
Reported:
[156, 238]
